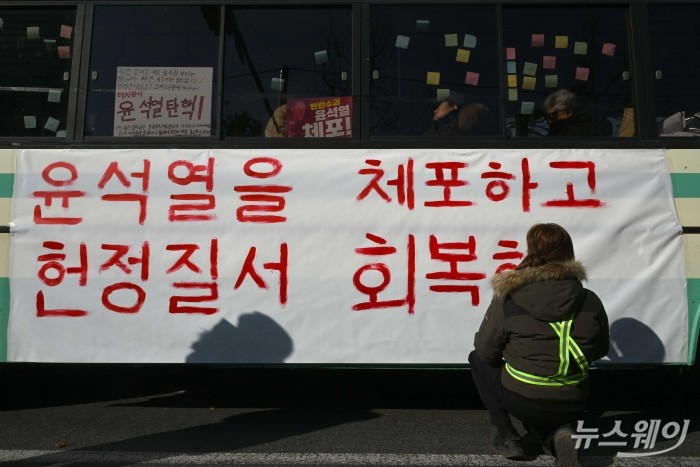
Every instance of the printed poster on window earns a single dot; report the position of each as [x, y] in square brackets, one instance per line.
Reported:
[325, 256]
[163, 101]
[319, 117]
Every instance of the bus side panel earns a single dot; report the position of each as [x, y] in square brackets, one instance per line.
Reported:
[685, 176]
[6, 183]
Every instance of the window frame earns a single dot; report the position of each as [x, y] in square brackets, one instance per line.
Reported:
[642, 87]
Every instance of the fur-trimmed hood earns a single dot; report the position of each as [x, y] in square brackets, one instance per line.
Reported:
[546, 292]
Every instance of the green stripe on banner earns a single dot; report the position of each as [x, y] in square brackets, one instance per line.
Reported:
[686, 185]
[693, 318]
[7, 181]
[4, 315]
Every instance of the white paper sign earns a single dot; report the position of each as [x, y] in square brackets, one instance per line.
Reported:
[163, 101]
[324, 256]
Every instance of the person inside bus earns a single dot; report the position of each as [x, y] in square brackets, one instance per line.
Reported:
[566, 116]
[454, 117]
[534, 346]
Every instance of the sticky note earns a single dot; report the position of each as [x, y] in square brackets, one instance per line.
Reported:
[510, 53]
[512, 81]
[321, 57]
[527, 108]
[422, 25]
[538, 40]
[66, 31]
[50, 45]
[530, 69]
[469, 41]
[443, 94]
[561, 42]
[609, 49]
[551, 81]
[450, 40]
[512, 94]
[463, 55]
[549, 62]
[510, 67]
[580, 48]
[63, 51]
[402, 42]
[277, 84]
[582, 73]
[433, 78]
[61, 134]
[529, 83]
[472, 78]
[29, 121]
[54, 95]
[52, 124]
[33, 32]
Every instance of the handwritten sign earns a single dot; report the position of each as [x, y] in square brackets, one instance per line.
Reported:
[163, 101]
[328, 256]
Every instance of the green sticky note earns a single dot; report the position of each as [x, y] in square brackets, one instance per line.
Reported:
[551, 81]
[580, 48]
[512, 94]
[450, 40]
[530, 69]
[529, 83]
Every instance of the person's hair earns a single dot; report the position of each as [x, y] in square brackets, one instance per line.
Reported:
[562, 100]
[547, 243]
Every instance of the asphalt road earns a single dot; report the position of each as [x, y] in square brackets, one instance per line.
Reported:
[197, 415]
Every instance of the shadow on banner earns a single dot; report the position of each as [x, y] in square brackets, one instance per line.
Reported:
[632, 341]
[256, 339]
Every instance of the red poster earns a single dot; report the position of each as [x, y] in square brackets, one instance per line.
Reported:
[319, 117]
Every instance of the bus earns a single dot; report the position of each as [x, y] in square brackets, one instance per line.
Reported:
[336, 182]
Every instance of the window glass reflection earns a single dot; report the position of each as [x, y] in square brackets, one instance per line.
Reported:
[434, 70]
[675, 35]
[287, 73]
[153, 71]
[36, 48]
[567, 72]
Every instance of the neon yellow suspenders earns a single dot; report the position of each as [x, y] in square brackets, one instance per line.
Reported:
[567, 346]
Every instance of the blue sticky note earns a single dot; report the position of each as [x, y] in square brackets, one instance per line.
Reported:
[527, 108]
[402, 42]
[511, 66]
[469, 41]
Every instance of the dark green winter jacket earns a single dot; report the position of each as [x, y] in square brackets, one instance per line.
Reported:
[516, 329]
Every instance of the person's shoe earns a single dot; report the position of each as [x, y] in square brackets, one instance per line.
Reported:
[565, 448]
[507, 443]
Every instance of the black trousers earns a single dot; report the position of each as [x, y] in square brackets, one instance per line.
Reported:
[541, 418]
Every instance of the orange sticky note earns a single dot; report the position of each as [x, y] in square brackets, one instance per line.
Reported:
[549, 62]
[512, 81]
[472, 78]
[63, 51]
[66, 31]
[582, 73]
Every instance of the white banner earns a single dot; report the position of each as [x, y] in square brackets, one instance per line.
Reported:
[324, 256]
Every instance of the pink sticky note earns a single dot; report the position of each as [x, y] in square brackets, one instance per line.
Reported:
[66, 31]
[510, 53]
[538, 40]
[549, 61]
[472, 78]
[609, 49]
[582, 73]
[63, 51]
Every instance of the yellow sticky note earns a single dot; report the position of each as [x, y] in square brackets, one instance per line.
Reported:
[463, 55]
[561, 42]
[512, 81]
[529, 83]
[433, 78]
[512, 95]
[33, 32]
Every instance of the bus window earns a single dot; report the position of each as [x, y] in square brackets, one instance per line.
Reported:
[36, 47]
[153, 71]
[434, 70]
[287, 73]
[567, 72]
[675, 35]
